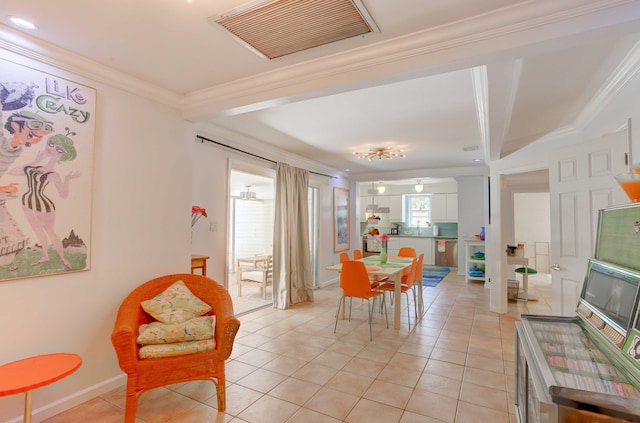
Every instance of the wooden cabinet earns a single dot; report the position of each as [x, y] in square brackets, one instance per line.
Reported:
[475, 260]
[444, 207]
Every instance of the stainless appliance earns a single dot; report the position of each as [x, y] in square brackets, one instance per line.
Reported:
[370, 245]
[446, 251]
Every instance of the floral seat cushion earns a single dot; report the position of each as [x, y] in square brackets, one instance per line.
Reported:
[180, 328]
[178, 348]
[176, 304]
[196, 329]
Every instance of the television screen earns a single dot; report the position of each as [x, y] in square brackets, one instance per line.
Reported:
[612, 291]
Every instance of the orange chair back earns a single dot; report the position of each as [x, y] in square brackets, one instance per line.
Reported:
[344, 257]
[411, 276]
[407, 252]
[354, 279]
[418, 272]
[357, 254]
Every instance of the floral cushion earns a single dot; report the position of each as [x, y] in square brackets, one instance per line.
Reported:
[175, 305]
[180, 348]
[195, 329]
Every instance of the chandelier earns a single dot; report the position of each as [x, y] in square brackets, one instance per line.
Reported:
[380, 153]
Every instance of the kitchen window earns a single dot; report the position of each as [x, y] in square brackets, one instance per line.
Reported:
[418, 209]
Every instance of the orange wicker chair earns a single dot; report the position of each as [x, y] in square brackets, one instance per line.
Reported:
[145, 374]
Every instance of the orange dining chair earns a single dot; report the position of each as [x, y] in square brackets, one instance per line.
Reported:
[407, 252]
[344, 257]
[404, 289]
[357, 254]
[417, 283]
[354, 281]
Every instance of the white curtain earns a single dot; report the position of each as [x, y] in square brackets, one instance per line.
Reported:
[292, 281]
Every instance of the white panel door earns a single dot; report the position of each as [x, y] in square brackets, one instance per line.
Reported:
[581, 182]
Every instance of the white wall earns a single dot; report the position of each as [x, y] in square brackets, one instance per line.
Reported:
[140, 230]
[471, 212]
[532, 223]
[211, 165]
[602, 119]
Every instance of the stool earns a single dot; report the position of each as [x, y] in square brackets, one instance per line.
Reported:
[525, 272]
[30, 373]
[199, 262]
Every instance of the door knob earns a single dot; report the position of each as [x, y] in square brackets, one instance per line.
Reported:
[555, 267]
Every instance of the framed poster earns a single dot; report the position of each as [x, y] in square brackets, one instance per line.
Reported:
[47, 130]
[340, 219]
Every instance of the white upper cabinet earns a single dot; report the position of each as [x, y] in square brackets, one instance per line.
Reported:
[395, 208]
[444, 207]
[393, 202]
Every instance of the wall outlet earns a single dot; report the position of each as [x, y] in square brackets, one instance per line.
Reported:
[213, 226]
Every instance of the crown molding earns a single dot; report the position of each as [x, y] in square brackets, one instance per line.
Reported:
[509, 27]
[481, 98]
[260, 148]
[524, 23]
[624, 73]
[51, 55]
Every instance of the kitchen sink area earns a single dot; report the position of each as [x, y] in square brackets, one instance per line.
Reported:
[426, 220]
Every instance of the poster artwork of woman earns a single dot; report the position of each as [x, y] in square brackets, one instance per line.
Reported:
[23, 128]
[40, 209]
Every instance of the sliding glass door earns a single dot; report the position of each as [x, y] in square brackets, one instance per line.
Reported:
[250, 240]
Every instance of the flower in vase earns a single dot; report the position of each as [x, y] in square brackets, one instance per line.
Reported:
[383, 237]
[196, 213]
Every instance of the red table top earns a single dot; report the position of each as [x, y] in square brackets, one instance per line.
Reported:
[34, 372]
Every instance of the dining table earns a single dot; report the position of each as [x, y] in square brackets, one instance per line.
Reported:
[393, 269]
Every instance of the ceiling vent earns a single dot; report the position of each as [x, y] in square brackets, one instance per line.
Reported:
[277, 28]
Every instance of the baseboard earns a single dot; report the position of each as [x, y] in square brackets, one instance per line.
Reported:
[64, 404]
[328, 283]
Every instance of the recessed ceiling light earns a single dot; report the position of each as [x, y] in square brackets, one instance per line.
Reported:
[477, 160]
[22, 23]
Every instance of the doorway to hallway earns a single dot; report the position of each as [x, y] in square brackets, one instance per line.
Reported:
[250, 241]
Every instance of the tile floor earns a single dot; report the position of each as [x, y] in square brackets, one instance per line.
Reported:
[251, 298]
[456, 365]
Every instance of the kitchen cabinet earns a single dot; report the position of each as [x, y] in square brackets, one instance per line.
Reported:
[429, 255]
[395, 208]
[422, 246]
[444, 207]
[393, 246]
[475, 260]
[392, 202]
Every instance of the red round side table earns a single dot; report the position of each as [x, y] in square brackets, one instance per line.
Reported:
[34, 372]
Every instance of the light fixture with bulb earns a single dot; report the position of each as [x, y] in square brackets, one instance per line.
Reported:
[380, 153]
[418, 187]
[22, 23]
[381, 188]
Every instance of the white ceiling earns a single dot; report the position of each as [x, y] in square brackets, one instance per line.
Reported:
[440, 76]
